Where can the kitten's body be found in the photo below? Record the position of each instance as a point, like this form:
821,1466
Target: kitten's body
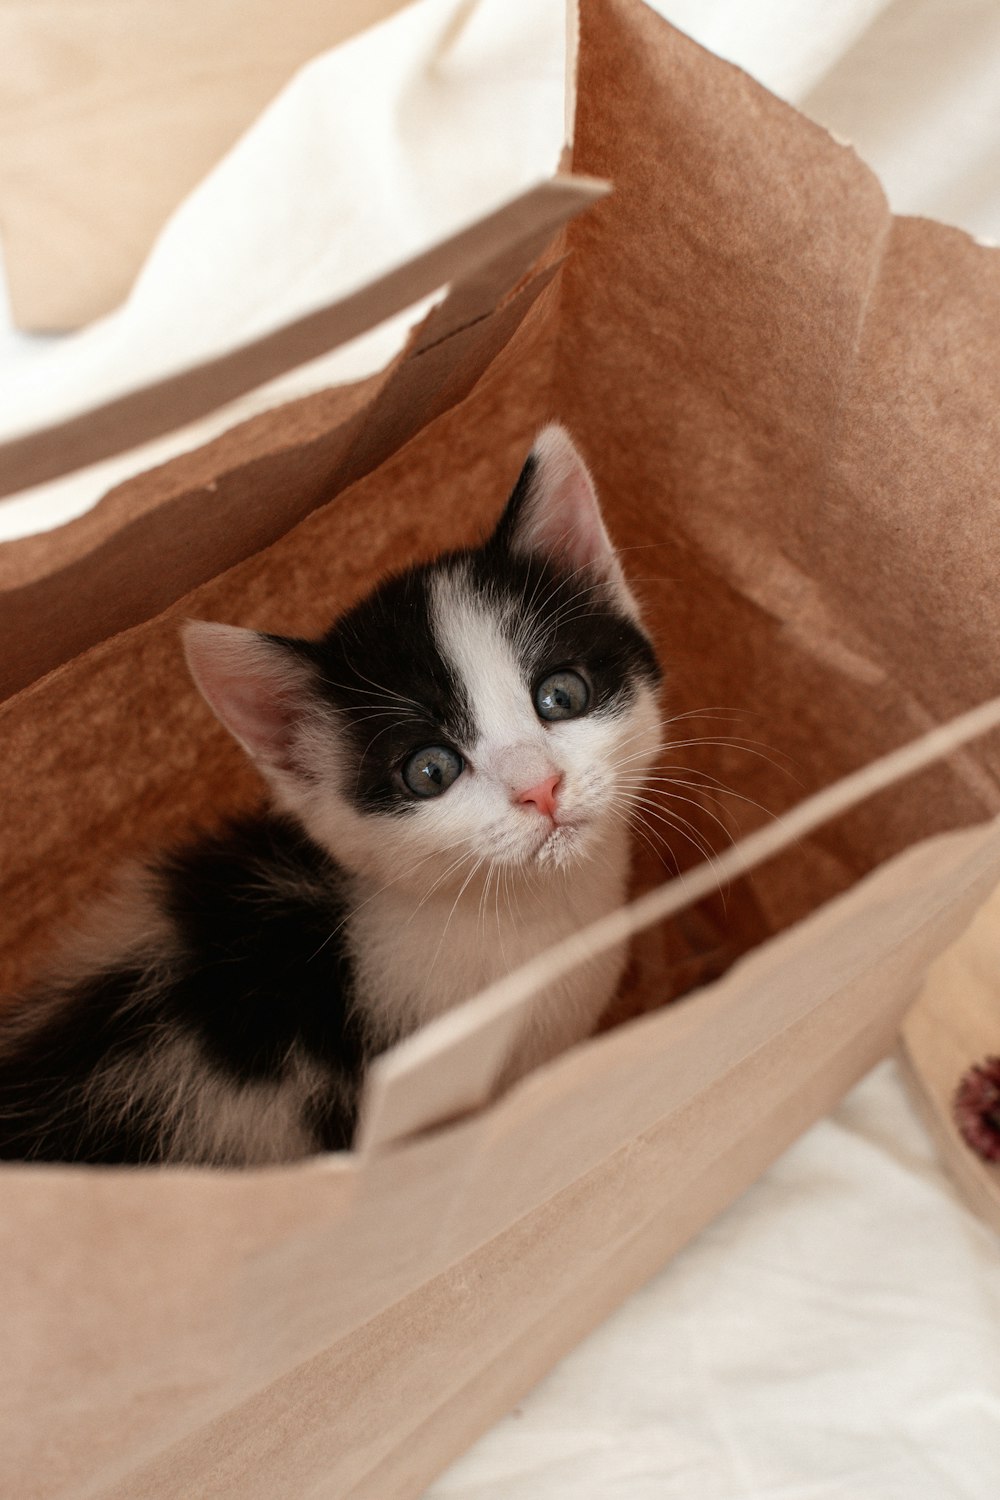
445,809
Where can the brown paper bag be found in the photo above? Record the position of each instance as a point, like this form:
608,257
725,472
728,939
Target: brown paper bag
788,398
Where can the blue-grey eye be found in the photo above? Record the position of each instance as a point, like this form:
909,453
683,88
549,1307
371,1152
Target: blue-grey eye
562,695
431,771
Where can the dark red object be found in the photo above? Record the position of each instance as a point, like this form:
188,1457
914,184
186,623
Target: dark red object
977,1108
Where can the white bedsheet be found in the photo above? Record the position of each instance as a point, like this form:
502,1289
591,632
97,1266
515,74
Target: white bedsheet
836,1332
832,1337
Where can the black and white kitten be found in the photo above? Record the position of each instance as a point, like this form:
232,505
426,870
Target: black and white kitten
450,767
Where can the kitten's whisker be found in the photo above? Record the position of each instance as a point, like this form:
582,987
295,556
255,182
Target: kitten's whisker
713,711
706,799
627,760
641,547
580,602
535,628
659,767
497,870
481,912
559,583
379,687
440,881
396,724
356,716
715,790
680,826
677,797
642,830
730,742
748,747
379,891
437,952
678,822
506,902
649,838
390,696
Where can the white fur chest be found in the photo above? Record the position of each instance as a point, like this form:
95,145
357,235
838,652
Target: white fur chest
415,959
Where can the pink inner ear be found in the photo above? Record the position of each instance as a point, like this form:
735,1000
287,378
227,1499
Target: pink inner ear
564,518
572,524
262,718
253,686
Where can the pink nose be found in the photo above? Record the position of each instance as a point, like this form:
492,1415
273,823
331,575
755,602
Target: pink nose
543,795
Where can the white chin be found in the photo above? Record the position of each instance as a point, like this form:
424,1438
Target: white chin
560,847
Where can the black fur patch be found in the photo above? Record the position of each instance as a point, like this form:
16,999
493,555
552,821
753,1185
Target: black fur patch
503,537
380,668
261,968
258,907
43,1110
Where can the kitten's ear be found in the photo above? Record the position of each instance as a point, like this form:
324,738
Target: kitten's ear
256,685
554,513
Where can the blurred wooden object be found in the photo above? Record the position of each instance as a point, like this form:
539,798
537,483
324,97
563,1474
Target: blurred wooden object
955,1023
111,111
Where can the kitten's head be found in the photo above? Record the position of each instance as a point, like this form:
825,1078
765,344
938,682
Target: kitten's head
495,705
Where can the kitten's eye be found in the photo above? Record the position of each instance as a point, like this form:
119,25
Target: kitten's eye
562,695
431,771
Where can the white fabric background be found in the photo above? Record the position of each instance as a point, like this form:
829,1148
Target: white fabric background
835,1333
371,153
832,1337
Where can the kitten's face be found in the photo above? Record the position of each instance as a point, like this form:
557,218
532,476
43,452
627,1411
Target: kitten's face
491,709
